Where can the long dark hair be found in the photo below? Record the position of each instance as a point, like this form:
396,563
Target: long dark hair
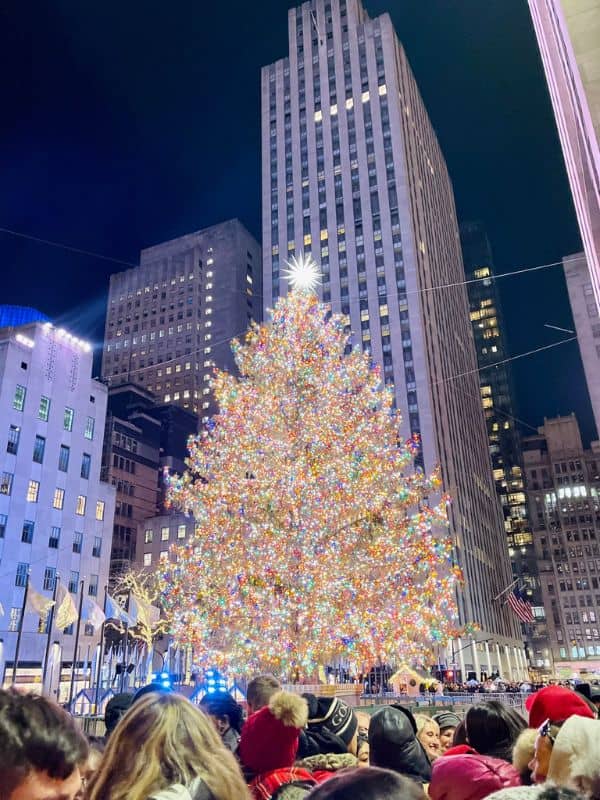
492,729
367,783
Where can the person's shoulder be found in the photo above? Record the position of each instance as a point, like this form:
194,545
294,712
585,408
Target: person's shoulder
176,792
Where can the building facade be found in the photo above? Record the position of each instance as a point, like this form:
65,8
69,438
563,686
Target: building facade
352,173
568,34
56,514
495,383
170,321
157,534
587,324
563,481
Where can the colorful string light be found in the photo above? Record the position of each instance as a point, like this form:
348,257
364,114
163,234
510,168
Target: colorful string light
314,540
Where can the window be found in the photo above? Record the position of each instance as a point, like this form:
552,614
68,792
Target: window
3,523
97,548
99,510
77,541
148,536
44,409
54,538
86,463
33,490
14,432
63,458
22,572
19,398
15,618
88,629
89,428
181,531
80,505
68,419
49,578
164,534
93,586
6,482
39,447
59,499
27,532
74,582
147,559
164,556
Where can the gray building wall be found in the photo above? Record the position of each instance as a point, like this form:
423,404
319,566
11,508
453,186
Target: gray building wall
170,321
49,363
353,173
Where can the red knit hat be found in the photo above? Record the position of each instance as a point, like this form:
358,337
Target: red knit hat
556,703
270,736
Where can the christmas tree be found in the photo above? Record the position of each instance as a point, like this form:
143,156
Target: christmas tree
314,537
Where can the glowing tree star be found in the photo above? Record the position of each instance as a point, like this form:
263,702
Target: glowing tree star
314,539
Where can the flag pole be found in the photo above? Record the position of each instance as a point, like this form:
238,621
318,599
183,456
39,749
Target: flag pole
101,657
20,633
76,647
49,635
126,647
504,591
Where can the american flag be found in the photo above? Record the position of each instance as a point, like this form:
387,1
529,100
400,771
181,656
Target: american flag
520,606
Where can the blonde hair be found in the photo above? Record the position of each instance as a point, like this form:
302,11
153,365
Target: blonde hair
163,740
423,721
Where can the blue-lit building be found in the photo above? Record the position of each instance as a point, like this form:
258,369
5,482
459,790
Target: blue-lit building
14,316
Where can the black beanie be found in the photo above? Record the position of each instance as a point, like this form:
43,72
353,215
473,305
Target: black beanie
333,714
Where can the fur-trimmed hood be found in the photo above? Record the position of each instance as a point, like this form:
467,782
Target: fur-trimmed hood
328,762
575,760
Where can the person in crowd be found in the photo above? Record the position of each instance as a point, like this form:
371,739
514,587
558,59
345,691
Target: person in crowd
493,728
595,698
269,745
150,688
523,753
428,733
115,708
393,744
448,723
371,783
42,750
165,748
227,717
259,692
575,759
470,776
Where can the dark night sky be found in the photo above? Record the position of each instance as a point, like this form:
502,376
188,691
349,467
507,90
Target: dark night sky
128,123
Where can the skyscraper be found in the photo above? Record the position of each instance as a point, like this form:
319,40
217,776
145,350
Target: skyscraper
495,381
353,173
170,321
587,324
568,34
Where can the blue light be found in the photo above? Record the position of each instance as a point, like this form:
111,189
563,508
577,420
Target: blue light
164,676
210,690
166,684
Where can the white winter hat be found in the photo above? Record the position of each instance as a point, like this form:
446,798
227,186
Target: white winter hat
575,760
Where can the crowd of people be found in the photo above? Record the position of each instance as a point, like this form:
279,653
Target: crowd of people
286,746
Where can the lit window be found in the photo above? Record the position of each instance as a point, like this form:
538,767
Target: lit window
89,428
181,531
383,89
365,96
318,115
148,536
100,510
58,500
164,533
147,559
167,398
68,419
44,409
164,556
15,618
80,505
33,490
349,103
19,398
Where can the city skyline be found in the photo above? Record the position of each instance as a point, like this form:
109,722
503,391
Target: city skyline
206,170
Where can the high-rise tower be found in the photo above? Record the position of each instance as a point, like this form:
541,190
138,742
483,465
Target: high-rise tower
353,173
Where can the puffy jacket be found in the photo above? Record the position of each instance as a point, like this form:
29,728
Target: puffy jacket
470,777
393,744
267,784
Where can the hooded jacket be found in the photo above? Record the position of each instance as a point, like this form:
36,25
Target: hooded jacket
393,744
575,760
470,776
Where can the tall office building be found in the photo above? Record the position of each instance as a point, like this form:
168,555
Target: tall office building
563,487
568,34
171,319
353,173
56,514
587,324
495,382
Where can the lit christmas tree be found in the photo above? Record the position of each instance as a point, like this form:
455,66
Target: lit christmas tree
314,540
